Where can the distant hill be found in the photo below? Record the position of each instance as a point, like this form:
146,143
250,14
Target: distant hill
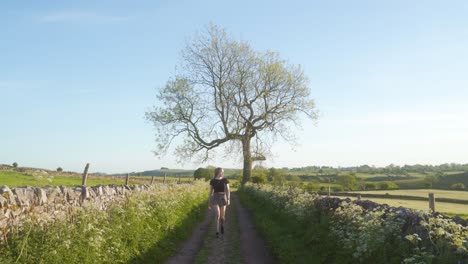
169,172
179,172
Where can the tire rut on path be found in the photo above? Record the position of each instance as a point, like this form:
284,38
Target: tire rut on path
253,247
226,248
187,252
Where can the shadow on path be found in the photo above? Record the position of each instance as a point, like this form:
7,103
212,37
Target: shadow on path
188,250
253,247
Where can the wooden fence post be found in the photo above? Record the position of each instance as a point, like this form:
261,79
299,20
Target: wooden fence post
126,178
359,197
432,202
164,181
328,190
152,180
85,175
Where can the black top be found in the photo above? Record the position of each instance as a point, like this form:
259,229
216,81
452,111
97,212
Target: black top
218,184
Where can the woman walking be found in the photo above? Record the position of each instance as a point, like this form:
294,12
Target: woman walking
219,198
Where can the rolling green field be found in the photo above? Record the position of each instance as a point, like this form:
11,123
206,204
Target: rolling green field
16,179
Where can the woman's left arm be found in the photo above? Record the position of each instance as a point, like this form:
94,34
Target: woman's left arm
228,194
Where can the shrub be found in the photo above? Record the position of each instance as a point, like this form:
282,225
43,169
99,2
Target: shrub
370,186
388,185
348,181
337,189
15,165
458,186
311,187
203,173
258,178
276,176
59,169
234,183
259,174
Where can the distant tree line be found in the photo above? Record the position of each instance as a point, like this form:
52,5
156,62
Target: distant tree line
390,169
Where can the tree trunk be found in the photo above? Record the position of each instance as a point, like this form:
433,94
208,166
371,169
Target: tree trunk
247,171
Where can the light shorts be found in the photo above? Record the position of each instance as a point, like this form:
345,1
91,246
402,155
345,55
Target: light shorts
218,199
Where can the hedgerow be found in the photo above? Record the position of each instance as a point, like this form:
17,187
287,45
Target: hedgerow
303,227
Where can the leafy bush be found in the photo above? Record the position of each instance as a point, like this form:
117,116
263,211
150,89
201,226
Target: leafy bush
258,178
276,176
15,165
458,186
337,189
259,174
388,185
348,181
59,169
370,186
311,187
203,173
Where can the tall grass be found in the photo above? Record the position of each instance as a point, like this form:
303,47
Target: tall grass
145,228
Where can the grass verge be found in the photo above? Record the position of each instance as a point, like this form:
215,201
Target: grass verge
146,228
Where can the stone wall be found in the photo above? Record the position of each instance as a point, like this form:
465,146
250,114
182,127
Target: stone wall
45,204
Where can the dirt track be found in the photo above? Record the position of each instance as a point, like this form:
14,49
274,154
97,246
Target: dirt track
220,250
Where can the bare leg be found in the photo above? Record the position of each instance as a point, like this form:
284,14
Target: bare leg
222,212
216,208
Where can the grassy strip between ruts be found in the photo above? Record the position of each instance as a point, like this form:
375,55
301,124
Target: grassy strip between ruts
300,228
146,228
231,249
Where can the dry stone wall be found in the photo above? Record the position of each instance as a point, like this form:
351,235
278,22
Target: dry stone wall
45,204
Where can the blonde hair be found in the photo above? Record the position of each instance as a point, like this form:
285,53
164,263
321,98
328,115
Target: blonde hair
218,171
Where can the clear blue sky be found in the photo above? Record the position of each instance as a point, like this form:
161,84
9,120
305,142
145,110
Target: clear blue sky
390,78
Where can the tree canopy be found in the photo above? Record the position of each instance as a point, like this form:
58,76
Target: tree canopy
203,173
229,93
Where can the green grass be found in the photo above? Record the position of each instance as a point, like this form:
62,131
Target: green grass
463,195
145,228
16,179
450,209
289,239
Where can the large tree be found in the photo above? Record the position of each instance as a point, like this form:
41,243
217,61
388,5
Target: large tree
227,94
